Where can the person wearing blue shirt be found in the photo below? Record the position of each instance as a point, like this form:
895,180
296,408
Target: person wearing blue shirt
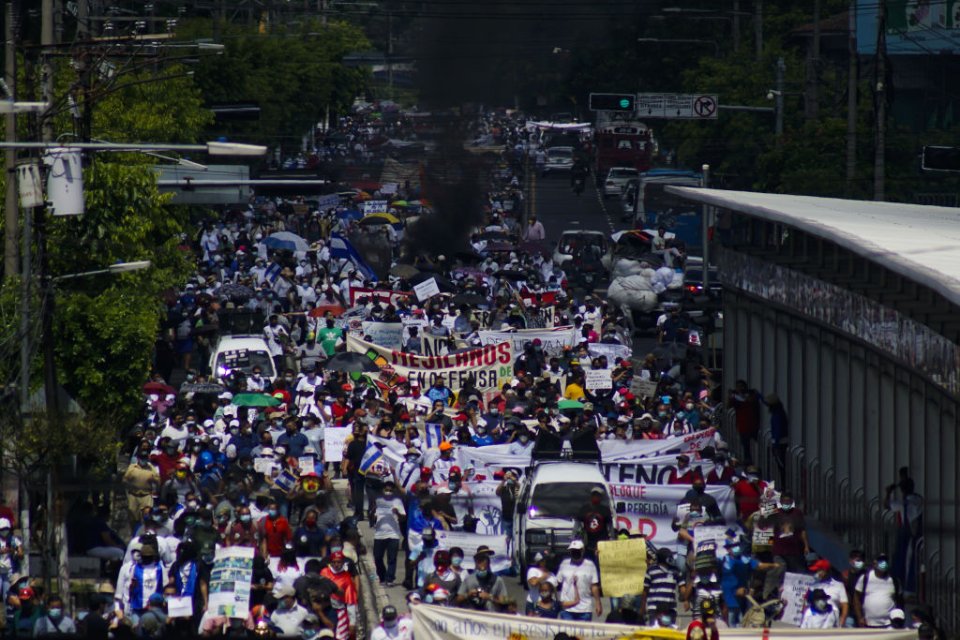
439,392
294,441
735,571
482,437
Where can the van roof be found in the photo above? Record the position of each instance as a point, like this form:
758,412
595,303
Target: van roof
248,342
568,472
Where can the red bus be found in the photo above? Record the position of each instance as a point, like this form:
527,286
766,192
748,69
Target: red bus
622,144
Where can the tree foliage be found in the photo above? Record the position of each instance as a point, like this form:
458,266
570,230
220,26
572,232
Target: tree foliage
295,74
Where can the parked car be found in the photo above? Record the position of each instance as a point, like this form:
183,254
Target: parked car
617,179
572,239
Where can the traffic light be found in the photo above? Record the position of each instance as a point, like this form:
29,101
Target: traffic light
612,101
941,159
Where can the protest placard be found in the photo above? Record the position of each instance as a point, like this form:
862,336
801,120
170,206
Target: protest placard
469,542
598,379
623,566
333,442
426,289
230,580
795,587
179,606
710,538
643,388
385,334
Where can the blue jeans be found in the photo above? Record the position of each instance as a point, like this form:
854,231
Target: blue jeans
388,548
581,617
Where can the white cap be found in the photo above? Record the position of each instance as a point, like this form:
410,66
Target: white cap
576,544
209,423
285,590
226,395
5,524
897,614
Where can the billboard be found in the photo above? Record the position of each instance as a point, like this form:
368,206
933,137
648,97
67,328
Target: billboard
913,27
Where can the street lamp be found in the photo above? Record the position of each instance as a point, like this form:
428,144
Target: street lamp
116,268
9,106
216,148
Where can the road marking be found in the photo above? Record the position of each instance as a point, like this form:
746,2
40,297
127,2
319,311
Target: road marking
603,207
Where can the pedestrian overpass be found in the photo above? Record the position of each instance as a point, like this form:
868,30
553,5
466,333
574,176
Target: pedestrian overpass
850,312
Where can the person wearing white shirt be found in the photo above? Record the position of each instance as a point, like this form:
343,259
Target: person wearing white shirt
139,579
288,616
875,595
393,626
580,584
835,590
819,613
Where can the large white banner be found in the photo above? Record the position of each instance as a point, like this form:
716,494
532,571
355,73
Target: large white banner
627,450
488,366
480,500
552,340
650,508
230,581
431,622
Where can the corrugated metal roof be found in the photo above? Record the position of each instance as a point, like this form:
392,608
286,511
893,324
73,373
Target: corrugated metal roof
919,242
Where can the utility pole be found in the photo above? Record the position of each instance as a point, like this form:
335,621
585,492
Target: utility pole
852,77
390,52
705,231
812,98
781,68
11,218
758,26
880,106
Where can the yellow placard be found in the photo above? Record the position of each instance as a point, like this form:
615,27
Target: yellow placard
623,566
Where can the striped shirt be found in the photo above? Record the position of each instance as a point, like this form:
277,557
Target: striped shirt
661,586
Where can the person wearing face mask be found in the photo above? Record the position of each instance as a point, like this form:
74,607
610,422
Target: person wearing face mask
274,531
242,532
507,491
11,557
289,615
180,484
547,605
167,460
877,593
683,473
698,490
579,584
392,626
387,533
660,586
790,544
408,471
596,518
722,472
664,617
855,569
345,599
482,590
539,573
819,612
141,480
736,569
139,579
522,445
442,575
55,621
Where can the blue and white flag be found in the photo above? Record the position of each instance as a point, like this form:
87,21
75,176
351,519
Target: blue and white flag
434,434
370,458
341,248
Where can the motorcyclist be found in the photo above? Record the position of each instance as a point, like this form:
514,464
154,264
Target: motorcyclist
578,175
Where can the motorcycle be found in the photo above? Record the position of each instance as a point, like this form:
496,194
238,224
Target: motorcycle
578,185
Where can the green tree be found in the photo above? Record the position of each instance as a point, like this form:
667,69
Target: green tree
294,74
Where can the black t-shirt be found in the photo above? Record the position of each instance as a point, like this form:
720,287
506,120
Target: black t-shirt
596,521
355,452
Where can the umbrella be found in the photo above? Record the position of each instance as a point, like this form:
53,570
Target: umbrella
235,291
255,400
286,240
536,247
351,363
380,218
442,283
404,270
322,310
512,274
493,247
399,203
470,299
158,388
350,214
569,404
494,235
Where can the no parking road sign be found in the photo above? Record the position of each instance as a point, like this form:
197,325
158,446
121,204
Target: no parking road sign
677,106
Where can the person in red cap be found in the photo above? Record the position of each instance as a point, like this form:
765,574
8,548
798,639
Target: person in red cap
834,589
345,600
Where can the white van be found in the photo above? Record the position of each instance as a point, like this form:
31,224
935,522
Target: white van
548,505
242,353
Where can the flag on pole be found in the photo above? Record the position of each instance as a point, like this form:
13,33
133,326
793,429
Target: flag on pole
434,434
370,457
341,248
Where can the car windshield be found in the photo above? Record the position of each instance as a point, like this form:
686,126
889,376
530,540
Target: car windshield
571,243
561,499
656,199
560,153
622,173
244,361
